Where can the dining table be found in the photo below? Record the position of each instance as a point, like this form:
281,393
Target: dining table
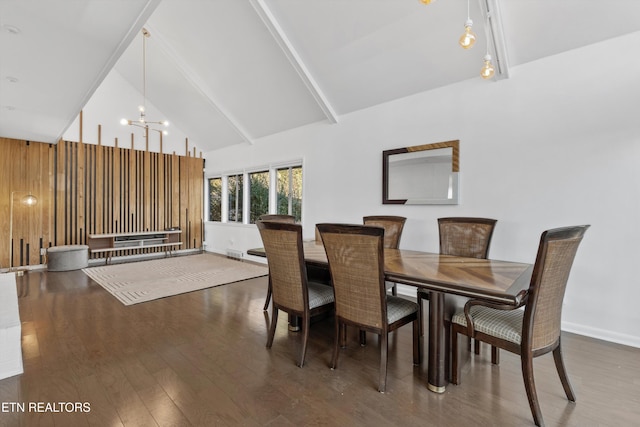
448,279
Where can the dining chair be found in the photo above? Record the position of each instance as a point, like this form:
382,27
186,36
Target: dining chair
393,226
534,330
464,237
290,219
356,261
292,292
278,218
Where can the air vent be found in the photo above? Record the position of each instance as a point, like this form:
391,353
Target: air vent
234,253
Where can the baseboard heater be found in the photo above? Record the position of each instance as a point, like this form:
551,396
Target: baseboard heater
234,254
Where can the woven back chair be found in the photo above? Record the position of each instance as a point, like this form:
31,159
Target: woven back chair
535,330
393,226
278,218
356,261
292,292
465,237
290,219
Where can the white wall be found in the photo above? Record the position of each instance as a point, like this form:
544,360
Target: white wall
10,328
116,99
556,144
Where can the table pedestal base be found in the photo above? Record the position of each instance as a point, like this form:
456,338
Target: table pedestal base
436,370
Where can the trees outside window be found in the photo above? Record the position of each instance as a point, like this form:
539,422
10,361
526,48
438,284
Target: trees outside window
215,199
289,198
258,195
235,193
277,190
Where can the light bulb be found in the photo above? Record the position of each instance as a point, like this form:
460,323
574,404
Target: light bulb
426,1
468,39
164,132
124,122
487,71
141,108
30,200
165,123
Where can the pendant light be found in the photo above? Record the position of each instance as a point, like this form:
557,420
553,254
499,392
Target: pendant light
142,119
487,71
468,39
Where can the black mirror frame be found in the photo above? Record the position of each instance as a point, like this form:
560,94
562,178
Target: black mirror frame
455,164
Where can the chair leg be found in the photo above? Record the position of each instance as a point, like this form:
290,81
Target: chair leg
530,387
338,343
455,370
384,352
363,338
272,328
266,303
476,346
495,355
343,336
417,356
562,373
394,290
306,320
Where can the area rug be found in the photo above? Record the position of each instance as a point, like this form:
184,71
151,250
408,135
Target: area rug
137,282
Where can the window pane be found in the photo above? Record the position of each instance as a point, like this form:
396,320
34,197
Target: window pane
289,196
258,195
215,199
235,198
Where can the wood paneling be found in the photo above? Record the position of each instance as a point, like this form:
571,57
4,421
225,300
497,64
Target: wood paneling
84,189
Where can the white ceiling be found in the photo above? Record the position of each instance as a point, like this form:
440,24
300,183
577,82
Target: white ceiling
229,71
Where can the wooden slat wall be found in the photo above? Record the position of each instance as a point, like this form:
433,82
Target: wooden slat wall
87,189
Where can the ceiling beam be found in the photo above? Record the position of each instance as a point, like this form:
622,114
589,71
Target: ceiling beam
134,30
262,9
195,80
495,37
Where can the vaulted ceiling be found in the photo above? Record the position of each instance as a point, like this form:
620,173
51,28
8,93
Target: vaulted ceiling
228,72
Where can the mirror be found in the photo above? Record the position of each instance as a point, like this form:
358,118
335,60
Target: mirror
422,174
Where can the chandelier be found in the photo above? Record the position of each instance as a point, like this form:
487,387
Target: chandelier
142,121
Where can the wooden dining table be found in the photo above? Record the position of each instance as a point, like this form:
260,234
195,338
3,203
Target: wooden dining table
445,277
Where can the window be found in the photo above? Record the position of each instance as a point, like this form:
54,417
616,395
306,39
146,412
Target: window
243,196
215,199
289,197
258,195
235,184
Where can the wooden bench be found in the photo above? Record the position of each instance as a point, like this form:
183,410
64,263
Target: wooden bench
112,242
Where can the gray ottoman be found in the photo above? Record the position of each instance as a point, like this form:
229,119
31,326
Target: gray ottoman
67,257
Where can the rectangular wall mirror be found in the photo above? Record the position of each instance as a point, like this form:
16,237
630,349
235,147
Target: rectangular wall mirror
422,174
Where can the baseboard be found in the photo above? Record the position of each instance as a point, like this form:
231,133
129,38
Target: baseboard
601,334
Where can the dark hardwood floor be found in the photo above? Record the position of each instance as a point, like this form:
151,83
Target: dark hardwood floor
200,359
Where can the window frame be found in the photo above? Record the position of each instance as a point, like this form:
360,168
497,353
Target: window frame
246,217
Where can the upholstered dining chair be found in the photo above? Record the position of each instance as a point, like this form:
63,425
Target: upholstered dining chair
393,226
465,237
290,219
535,330
356,262
292,292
